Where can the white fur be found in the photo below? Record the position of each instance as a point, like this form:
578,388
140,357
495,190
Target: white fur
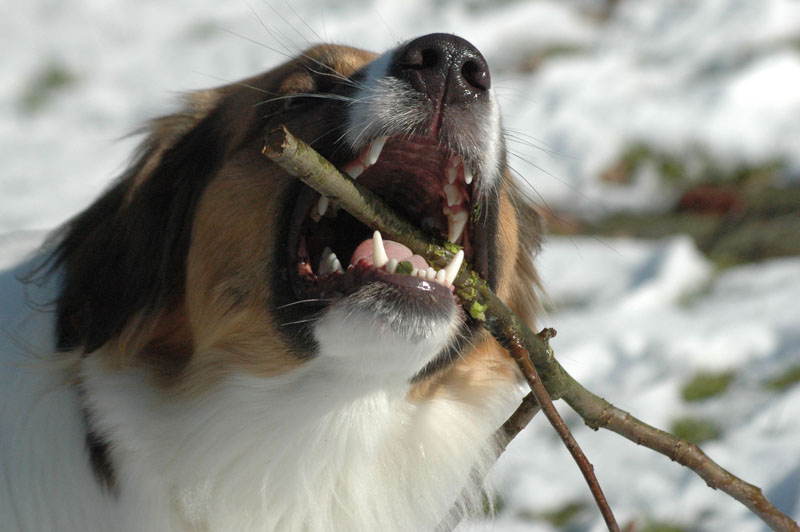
46,483
334,445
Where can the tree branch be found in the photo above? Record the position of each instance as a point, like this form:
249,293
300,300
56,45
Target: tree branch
301,161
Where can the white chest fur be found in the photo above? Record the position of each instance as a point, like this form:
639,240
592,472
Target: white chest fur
311,451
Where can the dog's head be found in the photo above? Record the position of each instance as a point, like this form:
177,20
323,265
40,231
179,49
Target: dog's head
205,258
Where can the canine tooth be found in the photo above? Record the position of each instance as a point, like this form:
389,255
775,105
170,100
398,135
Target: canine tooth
451,270
468,174
441,275
391,266
456,224
453,195
379,256
322,205
375,150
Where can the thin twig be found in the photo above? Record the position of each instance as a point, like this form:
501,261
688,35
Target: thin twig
520,355
301,161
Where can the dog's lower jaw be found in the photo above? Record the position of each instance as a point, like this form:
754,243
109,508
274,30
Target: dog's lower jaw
336,444
385,333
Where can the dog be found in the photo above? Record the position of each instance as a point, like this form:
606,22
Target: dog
213,346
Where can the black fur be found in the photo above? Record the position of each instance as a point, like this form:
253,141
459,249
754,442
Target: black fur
126,253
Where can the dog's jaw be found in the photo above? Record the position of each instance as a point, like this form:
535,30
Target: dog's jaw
374,333
441,125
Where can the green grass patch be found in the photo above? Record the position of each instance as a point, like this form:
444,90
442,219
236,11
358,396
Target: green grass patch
695,430
656,526
735,213
561,517
764,223
202,31
691,166
706,385
786,379
53,78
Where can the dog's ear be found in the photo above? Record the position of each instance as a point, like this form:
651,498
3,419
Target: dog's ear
124,257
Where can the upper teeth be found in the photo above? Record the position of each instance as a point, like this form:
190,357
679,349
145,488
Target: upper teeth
456,210
453,195
329,262
354,169
375,150
456,222
454,166
322,205
467,174
367,158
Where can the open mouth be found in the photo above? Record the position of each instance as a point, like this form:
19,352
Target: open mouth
332,254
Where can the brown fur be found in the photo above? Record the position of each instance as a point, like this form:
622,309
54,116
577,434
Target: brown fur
191,232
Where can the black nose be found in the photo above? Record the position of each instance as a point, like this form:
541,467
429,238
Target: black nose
444,67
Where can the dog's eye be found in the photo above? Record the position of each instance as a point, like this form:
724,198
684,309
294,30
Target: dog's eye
291,102
297,88
299,100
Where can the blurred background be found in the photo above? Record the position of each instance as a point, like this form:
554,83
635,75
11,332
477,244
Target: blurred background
659,138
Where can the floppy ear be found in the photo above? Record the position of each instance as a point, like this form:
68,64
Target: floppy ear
125,256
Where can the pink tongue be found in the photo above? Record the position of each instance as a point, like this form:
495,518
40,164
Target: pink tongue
394,250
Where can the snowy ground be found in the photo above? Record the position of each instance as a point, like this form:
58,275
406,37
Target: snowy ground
639,320
636,319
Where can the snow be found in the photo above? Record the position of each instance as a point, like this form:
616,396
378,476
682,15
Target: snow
639,356
636,319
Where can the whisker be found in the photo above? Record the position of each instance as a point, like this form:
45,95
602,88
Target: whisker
331,130
337,75
301,19
299,322
542,202
286,21
303,301
546,172
275,34
286,54
531,141
283,40
232,82
323,96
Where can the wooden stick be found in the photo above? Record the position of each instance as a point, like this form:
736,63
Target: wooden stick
301,161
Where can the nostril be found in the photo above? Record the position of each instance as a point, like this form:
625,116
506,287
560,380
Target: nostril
476,75
443,68
430,58
420,58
